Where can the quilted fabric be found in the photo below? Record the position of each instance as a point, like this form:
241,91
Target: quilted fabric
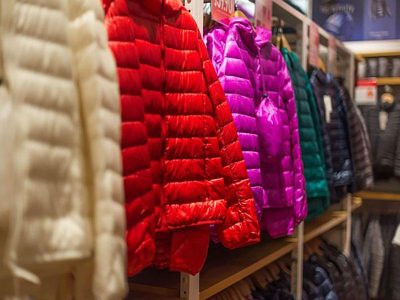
310,137
52,200
252,74
385,142
283,175
359,141
197,167
235,60
336,136
67,212
99,97
139,195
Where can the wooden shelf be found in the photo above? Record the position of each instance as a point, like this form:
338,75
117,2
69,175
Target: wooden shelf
385,80
323,224
229,267
369,195
388,80
224,267
379,54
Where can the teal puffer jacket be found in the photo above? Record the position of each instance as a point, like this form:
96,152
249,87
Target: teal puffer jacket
310,137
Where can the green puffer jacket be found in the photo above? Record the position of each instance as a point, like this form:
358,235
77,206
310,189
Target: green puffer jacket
310,137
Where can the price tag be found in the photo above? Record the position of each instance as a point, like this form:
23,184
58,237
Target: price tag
221,10
314,45
383,119
328,108
396,238
264,13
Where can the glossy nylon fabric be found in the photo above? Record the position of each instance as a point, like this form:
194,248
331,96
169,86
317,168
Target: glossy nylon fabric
310,137
283,175
255,79
336,128
198,173
235,60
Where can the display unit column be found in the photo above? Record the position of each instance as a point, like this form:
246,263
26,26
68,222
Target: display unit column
346,239
190,287
189,284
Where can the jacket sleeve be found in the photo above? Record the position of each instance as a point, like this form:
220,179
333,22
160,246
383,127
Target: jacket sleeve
300,198
240,226
98,92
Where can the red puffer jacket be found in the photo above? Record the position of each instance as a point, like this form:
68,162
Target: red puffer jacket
198,173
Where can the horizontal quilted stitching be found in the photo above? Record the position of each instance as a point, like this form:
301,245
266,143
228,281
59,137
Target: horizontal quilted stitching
42,83
192,144
336,139
284,176
310,137
237,74
139,196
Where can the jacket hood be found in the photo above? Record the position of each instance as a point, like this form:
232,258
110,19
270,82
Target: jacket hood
322,77
246,32
263,36
155,7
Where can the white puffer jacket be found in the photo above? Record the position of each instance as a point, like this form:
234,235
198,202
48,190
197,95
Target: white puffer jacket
66,200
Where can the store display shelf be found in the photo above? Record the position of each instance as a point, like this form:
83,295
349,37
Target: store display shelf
224,267
384,80
378,54
379,196
323,224
388,80
228,267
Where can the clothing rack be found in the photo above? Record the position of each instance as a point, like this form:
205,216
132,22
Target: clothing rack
224,268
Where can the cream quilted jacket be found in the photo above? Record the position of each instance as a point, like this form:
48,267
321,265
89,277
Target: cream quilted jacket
62,219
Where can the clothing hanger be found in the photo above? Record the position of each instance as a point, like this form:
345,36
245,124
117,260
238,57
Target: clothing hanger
239,14
274,269
268,275
245,288
280,39
317,247
283,267
307,251
236,293
251,284
258,279
321,64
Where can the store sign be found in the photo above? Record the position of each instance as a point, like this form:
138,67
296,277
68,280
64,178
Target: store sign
222,10
355,20
313,57
264,13
332,54
366,92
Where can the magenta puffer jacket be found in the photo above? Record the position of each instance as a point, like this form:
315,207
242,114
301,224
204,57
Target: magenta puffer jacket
235,60
259,92
282,174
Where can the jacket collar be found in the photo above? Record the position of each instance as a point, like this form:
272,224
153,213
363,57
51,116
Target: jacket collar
263,36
